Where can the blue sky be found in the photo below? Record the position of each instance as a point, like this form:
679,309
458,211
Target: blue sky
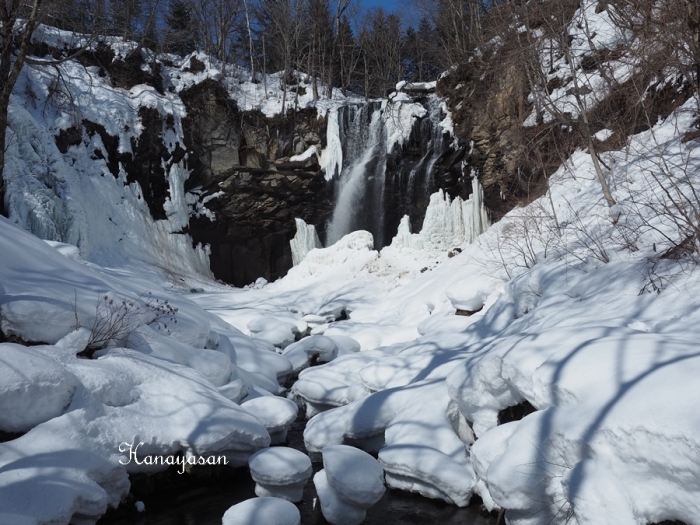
389,5
400,7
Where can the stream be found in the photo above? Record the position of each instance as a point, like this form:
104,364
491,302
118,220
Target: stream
203,498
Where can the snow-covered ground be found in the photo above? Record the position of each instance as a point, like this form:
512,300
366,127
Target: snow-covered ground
587,312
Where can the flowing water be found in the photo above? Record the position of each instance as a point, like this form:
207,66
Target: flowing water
360,165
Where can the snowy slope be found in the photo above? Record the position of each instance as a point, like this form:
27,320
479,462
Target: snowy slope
169,390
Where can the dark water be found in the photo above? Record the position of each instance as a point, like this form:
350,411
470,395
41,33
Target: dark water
203,498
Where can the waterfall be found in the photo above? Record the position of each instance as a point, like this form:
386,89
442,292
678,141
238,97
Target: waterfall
360,187
380,158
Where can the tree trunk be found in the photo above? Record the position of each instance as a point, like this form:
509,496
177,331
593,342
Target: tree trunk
3,135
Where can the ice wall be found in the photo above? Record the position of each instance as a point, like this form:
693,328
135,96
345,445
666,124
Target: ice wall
447,224
305,240
73,196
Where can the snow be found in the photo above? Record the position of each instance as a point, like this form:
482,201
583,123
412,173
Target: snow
34,389
275,413
579,315
350,482
423,469
280,472
335,509
270,511
354,474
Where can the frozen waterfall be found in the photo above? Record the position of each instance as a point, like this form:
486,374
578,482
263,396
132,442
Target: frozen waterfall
305,240
448,223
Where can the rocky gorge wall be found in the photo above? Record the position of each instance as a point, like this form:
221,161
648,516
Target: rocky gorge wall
243,165
241,177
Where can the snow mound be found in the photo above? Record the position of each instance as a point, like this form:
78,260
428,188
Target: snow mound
259,511
280,472
275,413
427,471
354,474
33,388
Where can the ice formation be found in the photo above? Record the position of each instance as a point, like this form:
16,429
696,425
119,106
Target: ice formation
280,472
447,223
305,240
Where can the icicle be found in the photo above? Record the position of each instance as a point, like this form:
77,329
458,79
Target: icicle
448,223
332,156
305,240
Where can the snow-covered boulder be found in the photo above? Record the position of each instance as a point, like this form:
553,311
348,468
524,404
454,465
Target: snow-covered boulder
275,413
350,482
280,472
429,472
33,388
263,511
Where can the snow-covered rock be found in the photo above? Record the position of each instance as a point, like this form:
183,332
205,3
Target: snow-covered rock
259,511
350,482
275,413
280,472
33,388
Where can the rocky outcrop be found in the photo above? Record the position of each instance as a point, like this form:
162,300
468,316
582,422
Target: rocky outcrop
243,162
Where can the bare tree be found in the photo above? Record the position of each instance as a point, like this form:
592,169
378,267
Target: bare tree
557,43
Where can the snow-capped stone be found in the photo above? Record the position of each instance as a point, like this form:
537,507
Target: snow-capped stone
471,302
336,510
275,413
280,472
263,511
354,474
429,472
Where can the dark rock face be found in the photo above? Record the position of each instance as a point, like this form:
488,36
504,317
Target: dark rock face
243,158
428,161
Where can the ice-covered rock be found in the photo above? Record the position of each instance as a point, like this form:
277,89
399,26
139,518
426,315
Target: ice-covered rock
280,472
275,413
263,511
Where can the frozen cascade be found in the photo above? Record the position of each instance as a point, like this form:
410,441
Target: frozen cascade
447,223
305,240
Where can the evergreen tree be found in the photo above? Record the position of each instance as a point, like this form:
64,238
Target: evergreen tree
179,36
